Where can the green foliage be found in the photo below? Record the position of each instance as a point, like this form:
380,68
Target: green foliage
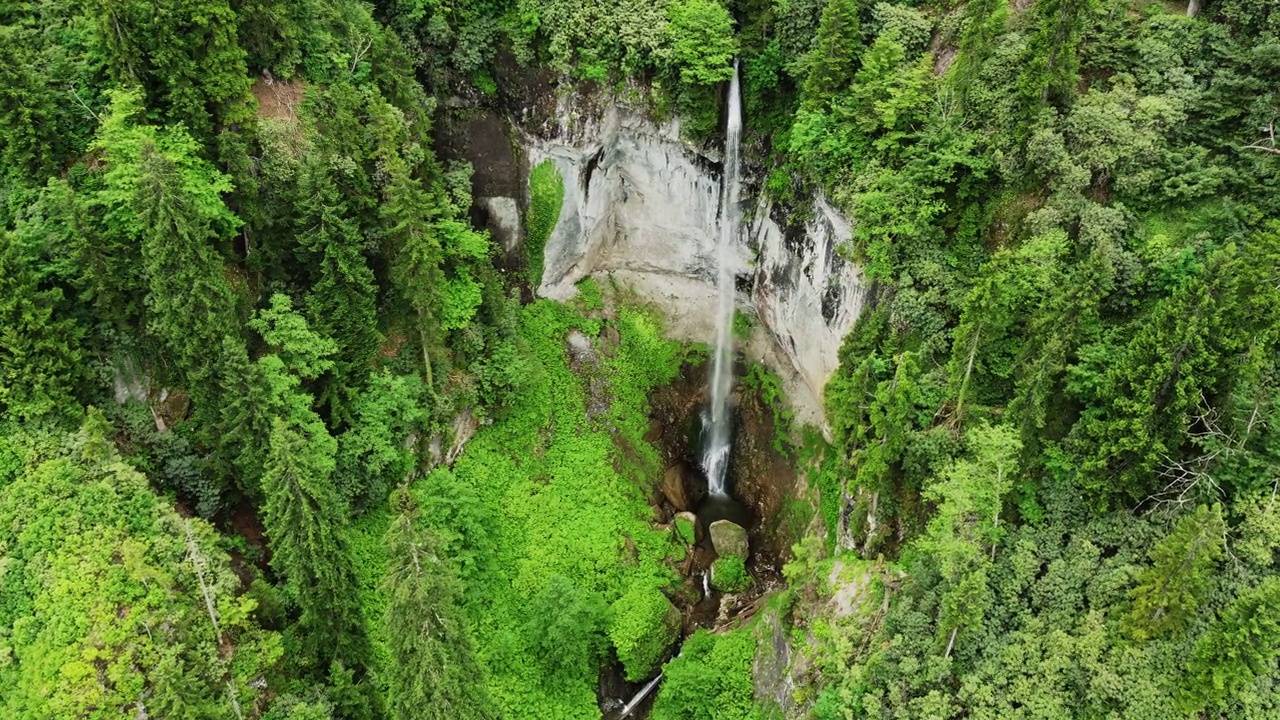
102,579
304,518
1169,592
303,352
711,680
433,673
969,500
1241,647
566,629
686,530
184,54
342,301
701,41
42,368
373,453
546,196
538,494
834,57
642,628
729,574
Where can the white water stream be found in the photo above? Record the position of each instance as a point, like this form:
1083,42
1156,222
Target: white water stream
715,454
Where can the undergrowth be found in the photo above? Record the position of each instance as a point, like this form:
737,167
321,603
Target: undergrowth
546,493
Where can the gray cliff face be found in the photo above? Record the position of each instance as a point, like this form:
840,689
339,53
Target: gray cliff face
642,207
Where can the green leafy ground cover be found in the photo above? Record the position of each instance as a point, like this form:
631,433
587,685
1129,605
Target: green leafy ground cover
548,495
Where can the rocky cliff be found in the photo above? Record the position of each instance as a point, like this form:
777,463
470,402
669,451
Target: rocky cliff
642,207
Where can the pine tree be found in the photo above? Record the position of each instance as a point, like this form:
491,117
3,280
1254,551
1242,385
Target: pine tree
304,518
1171,590
833,60
433,673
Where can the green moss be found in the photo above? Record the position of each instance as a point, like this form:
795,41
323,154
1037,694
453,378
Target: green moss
729,574
743,324
546,196
793,520
767,386
686,531
645,624
590,299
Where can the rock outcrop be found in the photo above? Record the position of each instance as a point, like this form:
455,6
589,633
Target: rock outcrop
675,487
642,207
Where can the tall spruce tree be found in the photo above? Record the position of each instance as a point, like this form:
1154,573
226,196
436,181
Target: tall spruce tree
433,673
304,518
342,301
834,58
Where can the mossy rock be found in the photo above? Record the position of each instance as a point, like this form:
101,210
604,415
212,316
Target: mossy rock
686,528
729,539
729,575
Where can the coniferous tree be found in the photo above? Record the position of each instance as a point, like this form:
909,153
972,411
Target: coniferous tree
302,512
1241,646
833,60
304,519
962,536
433,673
342,300
417,269
41,365
1171,590
31,145
185,55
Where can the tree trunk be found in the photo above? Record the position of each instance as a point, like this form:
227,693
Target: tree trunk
1193,8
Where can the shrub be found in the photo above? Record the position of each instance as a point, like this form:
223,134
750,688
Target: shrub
644,625
729,574
711,680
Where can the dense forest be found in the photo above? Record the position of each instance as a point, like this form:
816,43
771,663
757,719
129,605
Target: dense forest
285,435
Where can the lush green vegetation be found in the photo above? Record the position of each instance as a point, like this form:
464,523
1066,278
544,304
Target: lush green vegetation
1049,484
1055,414
546,196
729,574
711,680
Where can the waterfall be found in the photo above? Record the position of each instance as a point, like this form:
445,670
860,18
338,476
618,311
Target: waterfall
715,454
640,696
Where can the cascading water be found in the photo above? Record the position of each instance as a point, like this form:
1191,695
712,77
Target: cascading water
715,453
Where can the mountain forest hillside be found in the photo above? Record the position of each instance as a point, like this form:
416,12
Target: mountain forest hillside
287,433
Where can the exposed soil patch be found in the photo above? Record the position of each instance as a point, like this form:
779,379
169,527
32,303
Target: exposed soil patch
278,98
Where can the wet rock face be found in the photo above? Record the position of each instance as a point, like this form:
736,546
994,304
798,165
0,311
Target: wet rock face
642,206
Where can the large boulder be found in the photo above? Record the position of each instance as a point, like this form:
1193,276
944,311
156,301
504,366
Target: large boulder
675,487
729,539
